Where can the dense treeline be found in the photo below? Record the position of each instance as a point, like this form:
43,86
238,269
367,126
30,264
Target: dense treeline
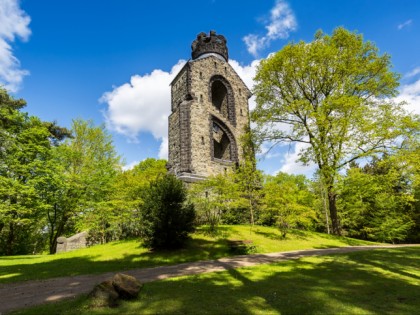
55,182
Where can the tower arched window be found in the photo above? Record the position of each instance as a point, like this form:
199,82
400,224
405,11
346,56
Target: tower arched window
222,99
219,97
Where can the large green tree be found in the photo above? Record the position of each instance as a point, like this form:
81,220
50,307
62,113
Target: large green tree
287,202
377,201
26,146
117,216
334,95
86,166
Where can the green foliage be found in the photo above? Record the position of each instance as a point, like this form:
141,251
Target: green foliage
287,203
376,203
166,217
86,166
117,216
217,200
333,95
248,178
26,145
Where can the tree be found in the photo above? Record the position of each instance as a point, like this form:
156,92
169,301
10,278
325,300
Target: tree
376,201
166,217
118,217
87,165
26,146
287,202
334,95
248,178
214,198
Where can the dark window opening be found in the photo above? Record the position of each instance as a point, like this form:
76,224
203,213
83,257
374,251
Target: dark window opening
221,144
202,140
219,96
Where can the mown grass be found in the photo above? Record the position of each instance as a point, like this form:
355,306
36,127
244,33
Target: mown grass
125,255
380,281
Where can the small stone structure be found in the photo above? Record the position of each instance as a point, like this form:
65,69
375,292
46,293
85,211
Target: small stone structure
73,242
209,112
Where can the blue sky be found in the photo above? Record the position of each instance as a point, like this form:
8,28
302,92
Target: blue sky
111,61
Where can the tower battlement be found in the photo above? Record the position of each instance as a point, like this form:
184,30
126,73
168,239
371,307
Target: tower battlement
212,43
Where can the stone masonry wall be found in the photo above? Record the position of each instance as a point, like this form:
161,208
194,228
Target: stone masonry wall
190,124
202,109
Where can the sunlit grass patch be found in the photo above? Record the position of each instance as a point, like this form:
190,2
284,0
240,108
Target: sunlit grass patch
351,283
125,255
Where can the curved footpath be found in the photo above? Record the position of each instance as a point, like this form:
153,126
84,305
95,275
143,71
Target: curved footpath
29,293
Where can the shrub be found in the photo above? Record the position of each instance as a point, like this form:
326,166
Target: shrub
166,218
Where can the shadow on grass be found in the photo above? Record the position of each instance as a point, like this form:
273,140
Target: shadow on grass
197,249
353,283
270,235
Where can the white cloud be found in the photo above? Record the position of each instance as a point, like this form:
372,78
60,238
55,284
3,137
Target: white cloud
130,166
14,24
144,104
247,74
413,73
410,93
281,22
291,164
404,24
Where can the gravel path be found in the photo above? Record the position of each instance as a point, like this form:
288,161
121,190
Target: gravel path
25,294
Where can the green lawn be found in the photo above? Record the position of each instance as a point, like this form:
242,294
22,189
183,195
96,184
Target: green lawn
380,281
124,255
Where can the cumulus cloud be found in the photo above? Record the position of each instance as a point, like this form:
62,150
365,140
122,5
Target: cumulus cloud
14,24
413,73
144,104
247,74
291,164
404,24
281,22
130,166
410,93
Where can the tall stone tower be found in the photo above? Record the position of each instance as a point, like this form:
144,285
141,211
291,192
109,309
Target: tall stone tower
209,112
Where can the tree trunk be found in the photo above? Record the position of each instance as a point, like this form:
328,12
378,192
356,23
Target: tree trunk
54,236
10,239
333,211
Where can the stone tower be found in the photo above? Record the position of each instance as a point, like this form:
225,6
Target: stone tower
209,112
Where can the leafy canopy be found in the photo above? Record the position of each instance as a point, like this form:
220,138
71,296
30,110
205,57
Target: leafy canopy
334,95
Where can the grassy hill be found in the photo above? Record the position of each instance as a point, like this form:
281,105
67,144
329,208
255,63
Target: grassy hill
380,281
125,255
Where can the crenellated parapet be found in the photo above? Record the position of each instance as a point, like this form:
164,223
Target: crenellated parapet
212,43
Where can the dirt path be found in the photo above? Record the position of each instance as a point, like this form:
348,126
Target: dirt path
25,294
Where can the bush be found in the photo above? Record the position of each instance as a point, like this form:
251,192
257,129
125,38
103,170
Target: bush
166,218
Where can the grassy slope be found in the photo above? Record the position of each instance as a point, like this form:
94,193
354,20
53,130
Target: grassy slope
126,255
381,281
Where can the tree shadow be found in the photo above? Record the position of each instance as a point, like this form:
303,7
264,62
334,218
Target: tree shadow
365,282
197,249
336,284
